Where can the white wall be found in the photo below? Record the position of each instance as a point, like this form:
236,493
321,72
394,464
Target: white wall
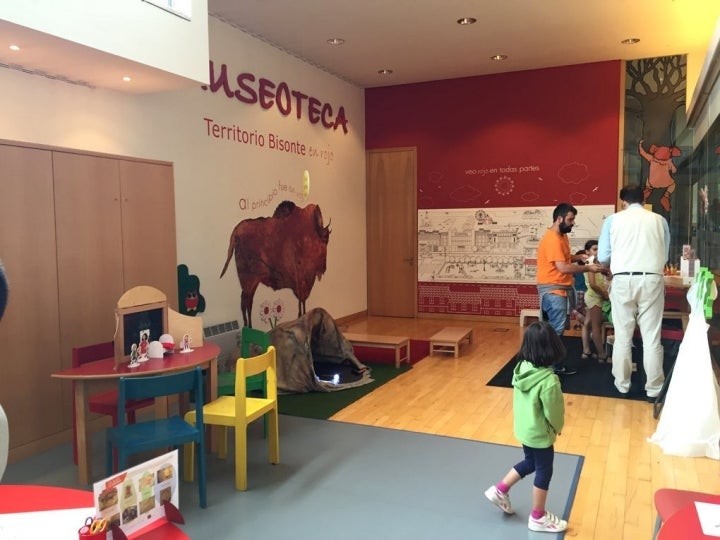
213,175
132,29
704,107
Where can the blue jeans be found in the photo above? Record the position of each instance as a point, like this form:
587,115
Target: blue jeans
555,309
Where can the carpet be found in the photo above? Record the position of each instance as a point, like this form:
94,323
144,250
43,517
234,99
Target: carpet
593,378
340,480
419,349
324,404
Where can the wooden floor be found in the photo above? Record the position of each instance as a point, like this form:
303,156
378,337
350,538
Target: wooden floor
448,396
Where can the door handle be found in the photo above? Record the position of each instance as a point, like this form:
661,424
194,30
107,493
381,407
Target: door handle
409,260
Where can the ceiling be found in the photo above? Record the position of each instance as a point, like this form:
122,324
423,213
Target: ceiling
419,40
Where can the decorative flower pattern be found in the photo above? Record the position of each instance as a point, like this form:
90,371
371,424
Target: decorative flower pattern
271,313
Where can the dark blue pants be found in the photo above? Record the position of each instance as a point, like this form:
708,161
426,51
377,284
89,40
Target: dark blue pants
538,461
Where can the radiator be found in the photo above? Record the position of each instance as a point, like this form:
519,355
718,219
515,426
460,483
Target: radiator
225,336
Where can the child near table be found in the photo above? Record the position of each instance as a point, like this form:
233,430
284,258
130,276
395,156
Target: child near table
580,287
539,416
598,290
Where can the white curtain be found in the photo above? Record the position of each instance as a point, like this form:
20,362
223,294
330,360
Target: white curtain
689,425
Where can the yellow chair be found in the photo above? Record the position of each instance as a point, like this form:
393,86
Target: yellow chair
238,411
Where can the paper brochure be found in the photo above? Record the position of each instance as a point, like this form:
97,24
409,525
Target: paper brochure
134,498
709,516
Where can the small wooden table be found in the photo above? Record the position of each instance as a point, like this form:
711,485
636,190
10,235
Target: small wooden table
93,373
398,343
449,339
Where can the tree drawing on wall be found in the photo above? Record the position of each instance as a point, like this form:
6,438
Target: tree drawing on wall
654,116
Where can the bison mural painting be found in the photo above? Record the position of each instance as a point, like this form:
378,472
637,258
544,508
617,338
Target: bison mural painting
285,251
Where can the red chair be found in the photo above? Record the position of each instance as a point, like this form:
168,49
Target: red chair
103,402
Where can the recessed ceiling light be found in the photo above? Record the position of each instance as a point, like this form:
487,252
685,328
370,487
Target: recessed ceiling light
385,71
630,41
499,57
336,41
14,48
466,20
127,79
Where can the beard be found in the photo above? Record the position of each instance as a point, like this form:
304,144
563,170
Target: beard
564,229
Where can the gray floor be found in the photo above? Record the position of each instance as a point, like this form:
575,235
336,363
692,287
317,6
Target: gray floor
338,480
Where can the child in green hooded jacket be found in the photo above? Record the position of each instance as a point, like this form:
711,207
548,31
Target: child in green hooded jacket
539,416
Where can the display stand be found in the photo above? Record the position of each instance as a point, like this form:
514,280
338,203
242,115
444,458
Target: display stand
140,311
142,501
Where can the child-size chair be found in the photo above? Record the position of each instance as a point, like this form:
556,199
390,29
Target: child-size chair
130,439
102,402
252,343
238,411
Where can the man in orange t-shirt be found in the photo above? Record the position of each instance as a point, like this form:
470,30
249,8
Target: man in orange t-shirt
555,271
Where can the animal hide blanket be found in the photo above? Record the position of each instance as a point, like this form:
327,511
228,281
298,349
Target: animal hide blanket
313,337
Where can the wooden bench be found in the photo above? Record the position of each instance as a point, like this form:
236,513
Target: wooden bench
398,343
525,313
449,339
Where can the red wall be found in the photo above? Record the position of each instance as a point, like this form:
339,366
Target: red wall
562,124
531,138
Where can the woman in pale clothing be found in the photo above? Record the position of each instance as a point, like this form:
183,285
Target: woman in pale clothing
597,293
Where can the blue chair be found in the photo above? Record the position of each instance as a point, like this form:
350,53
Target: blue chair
130,439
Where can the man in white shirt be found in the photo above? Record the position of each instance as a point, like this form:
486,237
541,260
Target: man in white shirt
636,243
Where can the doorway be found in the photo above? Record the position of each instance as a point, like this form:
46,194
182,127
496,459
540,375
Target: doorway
392,232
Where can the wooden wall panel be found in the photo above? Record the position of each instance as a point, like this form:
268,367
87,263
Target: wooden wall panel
148,214
90,253
90,248
29,332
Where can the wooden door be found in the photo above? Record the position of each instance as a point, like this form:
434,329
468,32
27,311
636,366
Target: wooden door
392,232
29,332
148,227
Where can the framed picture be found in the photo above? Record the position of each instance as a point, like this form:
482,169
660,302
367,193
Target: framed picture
141,314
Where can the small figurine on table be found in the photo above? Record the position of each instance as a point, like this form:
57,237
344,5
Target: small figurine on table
134,356
186,340
143,347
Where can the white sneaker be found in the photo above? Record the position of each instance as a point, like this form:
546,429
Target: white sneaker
548,523
501,500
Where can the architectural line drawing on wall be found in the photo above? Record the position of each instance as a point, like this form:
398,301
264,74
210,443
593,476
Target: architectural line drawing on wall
492,245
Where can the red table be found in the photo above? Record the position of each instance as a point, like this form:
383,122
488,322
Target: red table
17,498
14,499
92,373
